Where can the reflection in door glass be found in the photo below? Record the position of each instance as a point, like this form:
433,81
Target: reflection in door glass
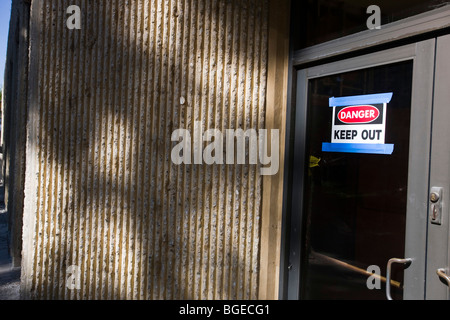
355,204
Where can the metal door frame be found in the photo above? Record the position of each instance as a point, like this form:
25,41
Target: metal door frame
423,56
438,235
402,30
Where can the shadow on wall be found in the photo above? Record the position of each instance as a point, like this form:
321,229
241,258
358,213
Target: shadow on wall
105,100
14,107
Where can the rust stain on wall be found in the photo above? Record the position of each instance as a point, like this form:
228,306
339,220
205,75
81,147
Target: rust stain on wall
101,190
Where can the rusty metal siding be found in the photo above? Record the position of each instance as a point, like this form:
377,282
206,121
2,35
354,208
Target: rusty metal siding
101,190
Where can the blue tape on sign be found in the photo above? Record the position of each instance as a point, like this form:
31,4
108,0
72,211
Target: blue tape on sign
359,100
358,148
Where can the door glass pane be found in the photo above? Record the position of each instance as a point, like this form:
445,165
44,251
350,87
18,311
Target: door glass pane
355,204
317,21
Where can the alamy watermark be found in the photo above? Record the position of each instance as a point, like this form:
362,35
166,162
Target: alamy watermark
374,21
73,282
189,150
374,281
234,146
74,20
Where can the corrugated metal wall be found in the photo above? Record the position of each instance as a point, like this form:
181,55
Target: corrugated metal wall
101,190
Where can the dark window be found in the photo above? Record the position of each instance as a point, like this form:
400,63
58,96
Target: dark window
317,21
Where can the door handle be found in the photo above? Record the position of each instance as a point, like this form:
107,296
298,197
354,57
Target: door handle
443,275
406,262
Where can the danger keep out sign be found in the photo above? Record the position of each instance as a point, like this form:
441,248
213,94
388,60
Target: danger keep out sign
359,124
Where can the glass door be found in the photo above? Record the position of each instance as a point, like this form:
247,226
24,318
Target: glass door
361,169
438,246
355,203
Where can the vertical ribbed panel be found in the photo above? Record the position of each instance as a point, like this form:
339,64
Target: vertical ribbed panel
109,199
